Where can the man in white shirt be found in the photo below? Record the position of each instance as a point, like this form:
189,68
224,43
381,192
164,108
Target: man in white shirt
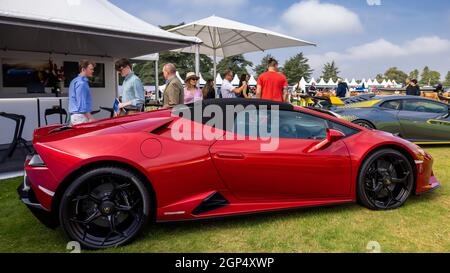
228,90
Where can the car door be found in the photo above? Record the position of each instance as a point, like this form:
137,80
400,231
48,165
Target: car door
289,171
386,116
421,120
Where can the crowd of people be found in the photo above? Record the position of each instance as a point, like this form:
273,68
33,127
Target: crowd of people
271,85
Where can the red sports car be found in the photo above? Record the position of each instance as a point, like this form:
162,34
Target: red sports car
104,181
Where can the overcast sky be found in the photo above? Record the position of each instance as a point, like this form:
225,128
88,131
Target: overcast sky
364,37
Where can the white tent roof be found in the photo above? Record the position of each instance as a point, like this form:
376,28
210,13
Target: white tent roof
235,80
148,58
230,38
312,81
252,81
389,82
81,27
375,82
331,82
346,81
369,82
322,82
218,79
353,83
384,83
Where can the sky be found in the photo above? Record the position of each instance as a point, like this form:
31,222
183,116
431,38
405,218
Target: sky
364,37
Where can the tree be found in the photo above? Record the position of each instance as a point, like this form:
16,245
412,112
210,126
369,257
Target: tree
447,79
414,74
238,64
430,77
297,67
262,67
379,77
330,71
394,73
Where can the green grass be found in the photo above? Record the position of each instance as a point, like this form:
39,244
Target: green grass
422,225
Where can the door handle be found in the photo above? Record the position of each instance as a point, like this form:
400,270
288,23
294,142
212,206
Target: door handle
229,155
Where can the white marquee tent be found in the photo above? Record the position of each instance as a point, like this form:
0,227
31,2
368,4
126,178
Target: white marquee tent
252,81
219,80
331,82
80,27
235,80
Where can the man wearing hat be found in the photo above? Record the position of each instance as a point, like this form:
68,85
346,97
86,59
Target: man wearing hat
192,92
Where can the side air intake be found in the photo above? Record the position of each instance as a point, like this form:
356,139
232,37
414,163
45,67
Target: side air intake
212,202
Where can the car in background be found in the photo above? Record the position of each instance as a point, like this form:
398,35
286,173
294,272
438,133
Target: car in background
417,119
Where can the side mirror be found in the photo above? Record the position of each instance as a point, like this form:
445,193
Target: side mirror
332,136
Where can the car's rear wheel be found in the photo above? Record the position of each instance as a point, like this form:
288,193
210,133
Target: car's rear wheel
364,123
105,207
386,180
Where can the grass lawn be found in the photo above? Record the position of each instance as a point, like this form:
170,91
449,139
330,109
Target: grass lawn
422,225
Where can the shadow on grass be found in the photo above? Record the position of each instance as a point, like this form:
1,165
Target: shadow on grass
254,219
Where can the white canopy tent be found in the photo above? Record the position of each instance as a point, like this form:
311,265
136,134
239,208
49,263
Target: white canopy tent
67,31
223,38
235,80
302,84
363,82
312,81
321,82
252,81
219,80
331,82
353,83
369,82
79,27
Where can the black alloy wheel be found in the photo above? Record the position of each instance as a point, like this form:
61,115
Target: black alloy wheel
105,207
386,180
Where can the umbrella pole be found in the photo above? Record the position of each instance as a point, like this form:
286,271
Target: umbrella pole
197,59
215,73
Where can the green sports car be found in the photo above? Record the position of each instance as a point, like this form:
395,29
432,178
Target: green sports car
418,119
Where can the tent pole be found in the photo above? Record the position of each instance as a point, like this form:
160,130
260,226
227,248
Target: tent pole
157,79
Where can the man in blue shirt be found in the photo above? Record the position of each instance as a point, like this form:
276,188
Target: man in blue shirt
80,100
133,91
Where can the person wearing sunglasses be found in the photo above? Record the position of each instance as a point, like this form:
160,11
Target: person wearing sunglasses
192,93
133,91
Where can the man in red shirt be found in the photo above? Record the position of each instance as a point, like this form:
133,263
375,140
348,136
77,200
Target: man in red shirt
272,85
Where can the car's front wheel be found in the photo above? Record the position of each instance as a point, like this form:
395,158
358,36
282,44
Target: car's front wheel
105,207
386,180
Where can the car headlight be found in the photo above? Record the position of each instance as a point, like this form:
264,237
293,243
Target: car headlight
36,161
